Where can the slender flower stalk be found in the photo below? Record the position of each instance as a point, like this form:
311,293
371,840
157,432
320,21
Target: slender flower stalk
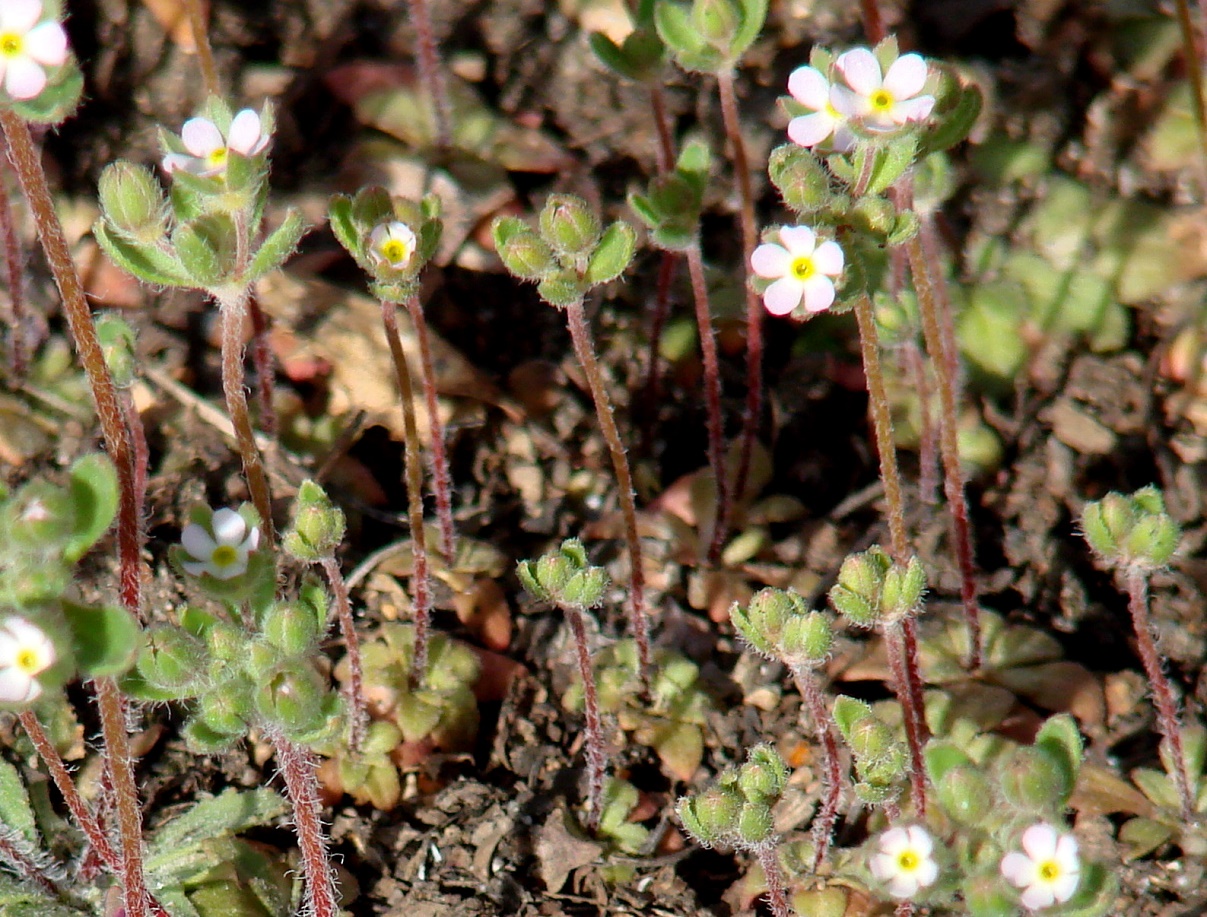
953,475
754,308
25,865
18,359
441,479
712,399
205,54
297,766
596,760
431,72
1168,717
777,894
420,584
822,724
358,711
584,348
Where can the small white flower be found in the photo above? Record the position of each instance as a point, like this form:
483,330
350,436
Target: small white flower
824,122
904,863
1049,871
799,269
27,47
223,554
208,150
25,653
881,102
392,245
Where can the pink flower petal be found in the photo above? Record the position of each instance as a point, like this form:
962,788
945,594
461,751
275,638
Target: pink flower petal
197,543
1018,868
19,15
201,137
18,688
24,78
819,293
860,69
770,260
810,130
244,134
848,104
1040,841
179,161
828,259
47,44
810,88
906,76
1066,886
799,240
782,296
1037,897
229,527
918,109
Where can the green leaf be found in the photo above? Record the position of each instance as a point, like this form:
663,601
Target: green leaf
941,757
676,29
229,812
198,256
279,245
754,17
94,495
16,813
148,263
106,639
612,255
1060,737
955,125
891,162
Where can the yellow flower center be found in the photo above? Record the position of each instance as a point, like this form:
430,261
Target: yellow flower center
395,251
908,861
1049,870
224,555
881,100
10,44
30,661
217,158
803,267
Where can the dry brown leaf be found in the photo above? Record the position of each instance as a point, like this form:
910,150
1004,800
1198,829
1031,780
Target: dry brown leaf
173,18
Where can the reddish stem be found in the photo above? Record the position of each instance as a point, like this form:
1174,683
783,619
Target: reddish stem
584,348
596,760
873,24
297,766
16,282
1168,720
712,398
420,584
440,473
356,691
823,727
430,72
25,865
777,895
201,38
754,307
894,642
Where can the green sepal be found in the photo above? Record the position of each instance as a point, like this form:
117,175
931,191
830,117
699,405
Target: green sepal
639,58
205,247
561,289
16,812
344,228
800,177
58,100
891,161
94,496
148,263
277,247
612,255
106,639
677,31
954,120
204,740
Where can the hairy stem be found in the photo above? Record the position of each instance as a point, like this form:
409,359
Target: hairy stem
297,766
754,307
441,478
953,474
420,586
915,725
205,54
18,359
359,716
584,348
777,895
232,311
26,866
822,724
712,398
1168,719
596,760
431,73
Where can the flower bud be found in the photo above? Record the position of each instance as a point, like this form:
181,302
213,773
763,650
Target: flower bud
717,21
172,659
564,578
293,698
132,202
561,288
755,825
762,621
318,525
807,639
569,225
586,588
764,775
712,816
525,254
965,795
800,177
225,708
902,591
291,628
1131,532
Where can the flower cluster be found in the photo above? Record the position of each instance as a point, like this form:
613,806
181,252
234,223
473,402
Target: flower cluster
798,269
222,550
1047,871
859,93
208,150
25,653
27,47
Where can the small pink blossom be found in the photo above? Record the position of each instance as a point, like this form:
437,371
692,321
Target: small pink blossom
1048,872
799,270
27,47
209,150
881,101
904,861
809,87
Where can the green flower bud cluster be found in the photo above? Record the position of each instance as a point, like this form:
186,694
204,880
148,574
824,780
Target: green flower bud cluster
235,678
881,759
206,234
709,35
670,208
318,525
778,624
1131,532
392,238
872,590
570,251
737,810
672,722
565,577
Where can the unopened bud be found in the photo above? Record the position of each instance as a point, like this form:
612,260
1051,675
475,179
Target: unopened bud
132,202
569,224
318,525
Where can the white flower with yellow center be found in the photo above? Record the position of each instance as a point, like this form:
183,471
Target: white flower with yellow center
903,861
392,245
209,150
812,90
799,270
25,653
28,47
881,101
1048,872
223,552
